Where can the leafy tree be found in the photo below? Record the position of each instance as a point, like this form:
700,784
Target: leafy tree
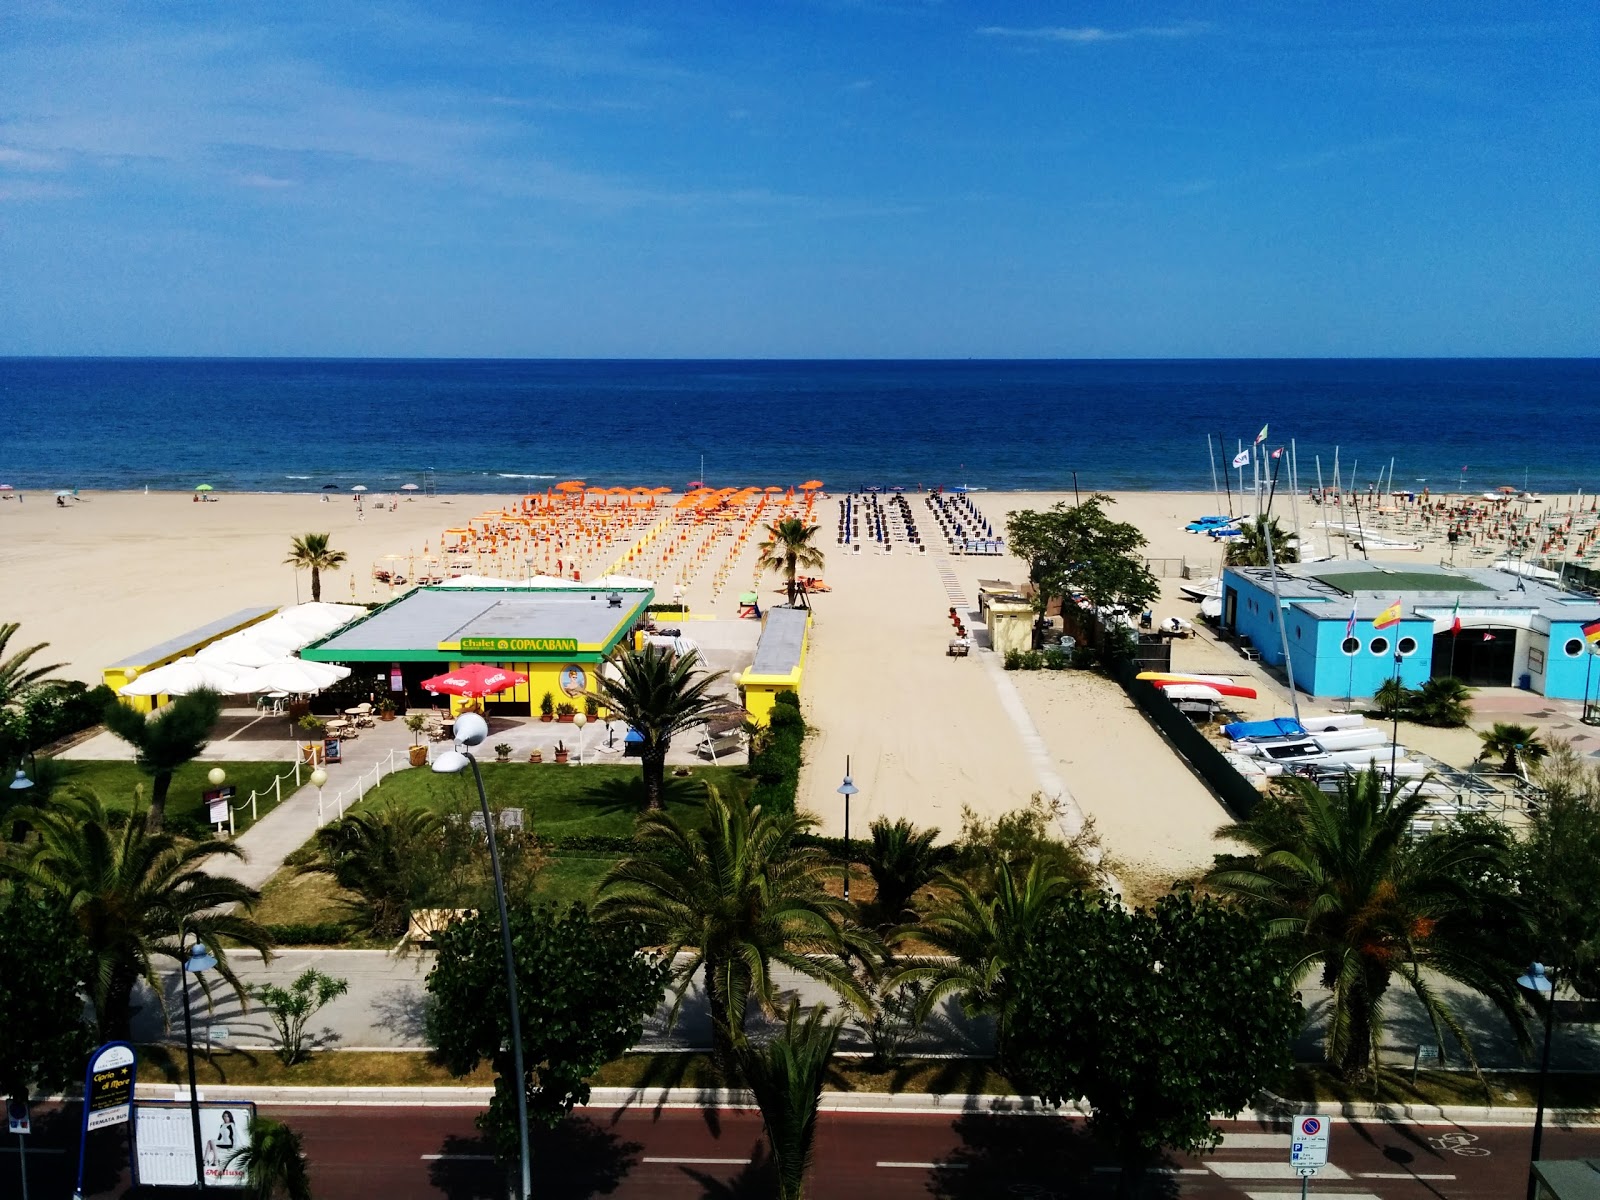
786,1076
43,964
1350,894
18,678
1513,745
311,552
1249,549
1020,837
788,548
978,936
659,696
903,860
291,1008
1080,549
1558,868
584,990
166,740
135,896
1157,1017
274,1162
732,897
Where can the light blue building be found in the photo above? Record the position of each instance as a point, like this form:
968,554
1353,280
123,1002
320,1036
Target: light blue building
1515,632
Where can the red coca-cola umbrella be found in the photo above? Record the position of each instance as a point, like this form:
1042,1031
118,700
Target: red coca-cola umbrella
474,679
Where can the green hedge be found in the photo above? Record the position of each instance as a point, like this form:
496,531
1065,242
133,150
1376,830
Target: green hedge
666,608
323,933
50,714
775,760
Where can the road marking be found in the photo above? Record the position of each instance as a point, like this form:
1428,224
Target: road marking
926,1166
702,1162
1296,1196
1157,1170
1255,1141
1272,1170
1397,1175
38,1150
458,1158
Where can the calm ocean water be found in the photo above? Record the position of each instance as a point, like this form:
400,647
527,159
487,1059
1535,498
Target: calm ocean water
513,426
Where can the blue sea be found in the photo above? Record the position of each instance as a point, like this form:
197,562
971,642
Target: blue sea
515,426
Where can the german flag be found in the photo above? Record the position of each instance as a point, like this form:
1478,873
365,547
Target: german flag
1591,632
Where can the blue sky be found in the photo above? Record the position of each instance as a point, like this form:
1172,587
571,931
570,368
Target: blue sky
805,179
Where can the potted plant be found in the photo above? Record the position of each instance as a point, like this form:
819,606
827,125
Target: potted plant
591,708
502,752
565,712
417,722
386,709
536,755
561,752
313,728
547,708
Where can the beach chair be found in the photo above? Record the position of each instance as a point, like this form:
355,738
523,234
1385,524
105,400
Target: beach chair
712,748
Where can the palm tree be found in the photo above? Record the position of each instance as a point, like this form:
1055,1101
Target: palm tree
788,549
1340,880
137,896
978,936
1444,702
384,854
786,1075
310,551
18,681
274,1162
1250,549
1513,744
734,895
659,696
903,860
165,741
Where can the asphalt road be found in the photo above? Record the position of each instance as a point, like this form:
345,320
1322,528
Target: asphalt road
690,1154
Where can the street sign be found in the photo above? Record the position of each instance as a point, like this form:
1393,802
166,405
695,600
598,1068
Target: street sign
1308,1143
108,1086
17,1116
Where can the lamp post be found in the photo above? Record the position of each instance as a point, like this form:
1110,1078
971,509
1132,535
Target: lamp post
1538,980
318,778
579,720
471,729
199,959
21,782
847,789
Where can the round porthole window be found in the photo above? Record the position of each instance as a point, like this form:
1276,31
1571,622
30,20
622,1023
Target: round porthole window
1574,647
1351,645
1379,645
1408,645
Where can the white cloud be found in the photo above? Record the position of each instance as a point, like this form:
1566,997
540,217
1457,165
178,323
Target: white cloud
1083,35
255,179
11,158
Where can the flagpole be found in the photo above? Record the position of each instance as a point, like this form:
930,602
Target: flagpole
1211,454
1588,674
1338,488
1294,496
1394,736
1350,684
1264,527
1226,482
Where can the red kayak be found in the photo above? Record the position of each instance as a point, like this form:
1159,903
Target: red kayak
1227,689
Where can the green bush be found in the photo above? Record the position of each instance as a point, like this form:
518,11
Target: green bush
50,714
1025,660
323,933
775,758
666,608
1013,660
1056,659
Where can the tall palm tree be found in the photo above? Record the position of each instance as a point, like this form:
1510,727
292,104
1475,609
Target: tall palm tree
1513,745
310,551
1250,549
789,548
903,859
165,741
979,936
735,895
786,1074
274,1162
1340,880
137,897
659,695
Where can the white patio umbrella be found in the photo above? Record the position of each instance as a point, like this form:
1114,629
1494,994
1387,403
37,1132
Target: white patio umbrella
239,652
185,676
293,675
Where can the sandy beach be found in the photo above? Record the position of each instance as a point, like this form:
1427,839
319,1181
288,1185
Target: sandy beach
925,734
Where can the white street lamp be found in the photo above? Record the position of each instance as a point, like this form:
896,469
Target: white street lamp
579,720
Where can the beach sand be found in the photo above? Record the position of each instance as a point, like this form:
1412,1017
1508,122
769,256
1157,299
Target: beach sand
925,734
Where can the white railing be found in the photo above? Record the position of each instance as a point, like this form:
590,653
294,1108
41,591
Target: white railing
360,786
275,791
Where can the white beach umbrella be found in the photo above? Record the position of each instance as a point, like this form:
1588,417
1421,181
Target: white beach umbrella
185,676
360,487
239,651
292,675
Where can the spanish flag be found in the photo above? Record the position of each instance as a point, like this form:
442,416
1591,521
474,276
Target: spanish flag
1391,616
1591,632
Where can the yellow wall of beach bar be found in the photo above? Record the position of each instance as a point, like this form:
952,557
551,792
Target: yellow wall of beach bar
761,691
126,670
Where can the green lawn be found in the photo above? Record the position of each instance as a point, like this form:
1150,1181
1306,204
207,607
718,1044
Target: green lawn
114,782
560,801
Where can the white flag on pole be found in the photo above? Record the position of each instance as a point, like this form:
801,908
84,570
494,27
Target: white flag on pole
1242,459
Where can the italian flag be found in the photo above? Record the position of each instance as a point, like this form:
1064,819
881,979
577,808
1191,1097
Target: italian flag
1455,617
